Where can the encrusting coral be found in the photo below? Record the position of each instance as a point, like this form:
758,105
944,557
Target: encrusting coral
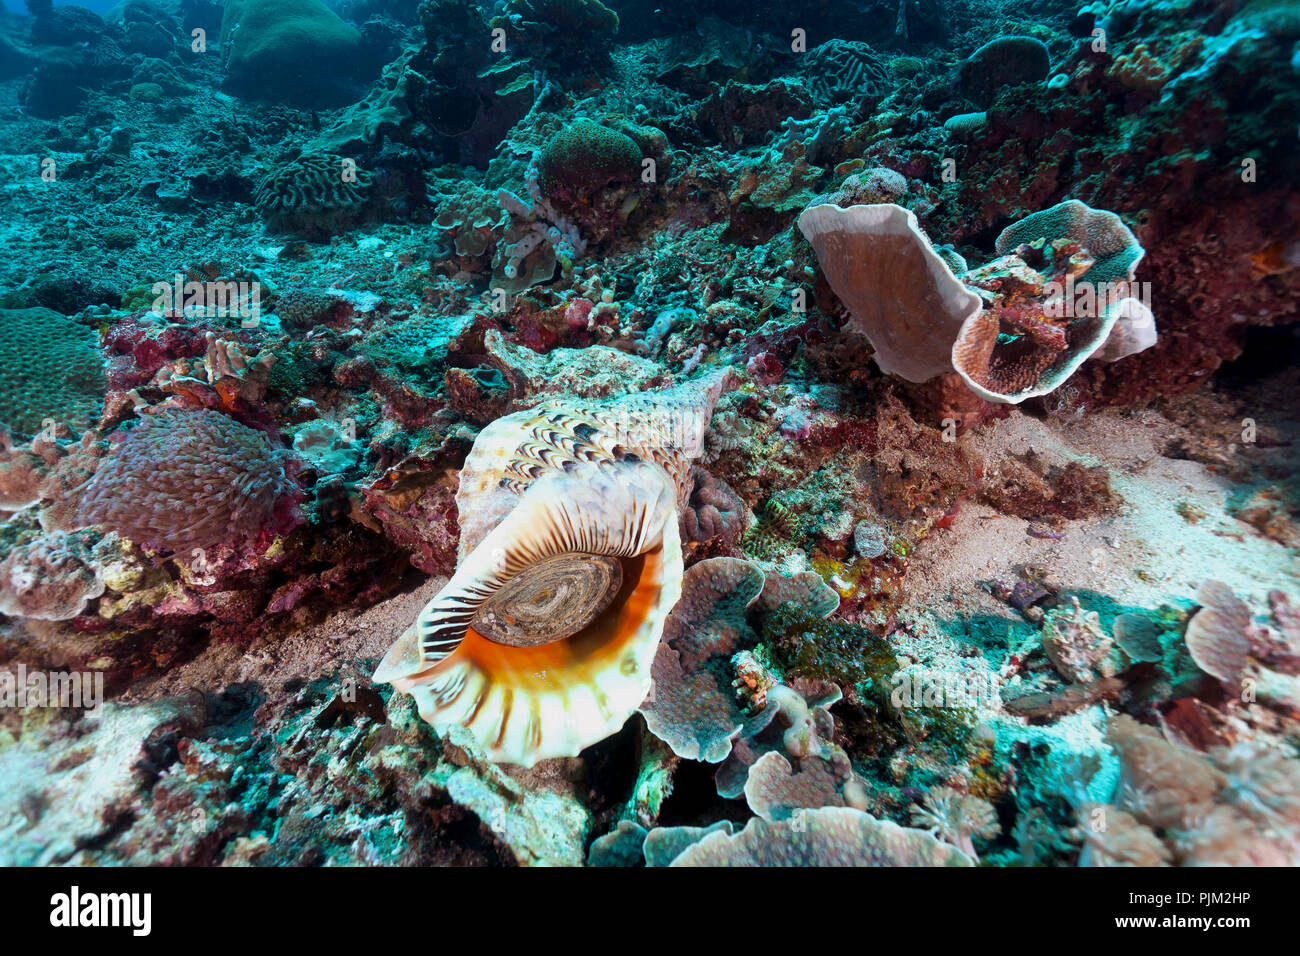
50,369
50,578
1249,658
831,836
1237,806
701,679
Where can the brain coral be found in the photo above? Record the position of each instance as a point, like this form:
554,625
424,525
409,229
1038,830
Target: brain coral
49,368
313,194
840,71
192,479
1006,61
580,160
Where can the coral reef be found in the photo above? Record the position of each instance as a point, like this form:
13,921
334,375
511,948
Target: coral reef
583,159
555,432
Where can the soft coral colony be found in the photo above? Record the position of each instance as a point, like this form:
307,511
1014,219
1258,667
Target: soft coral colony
599,476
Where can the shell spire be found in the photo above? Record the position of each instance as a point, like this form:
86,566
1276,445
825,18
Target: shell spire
665,427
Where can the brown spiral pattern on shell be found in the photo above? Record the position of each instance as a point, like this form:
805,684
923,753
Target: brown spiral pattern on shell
662,428
554,599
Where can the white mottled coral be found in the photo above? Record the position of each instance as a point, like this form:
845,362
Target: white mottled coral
900,292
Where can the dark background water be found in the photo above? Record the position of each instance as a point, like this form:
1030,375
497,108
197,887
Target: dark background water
99,6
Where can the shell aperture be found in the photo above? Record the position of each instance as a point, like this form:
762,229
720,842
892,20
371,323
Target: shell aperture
550,601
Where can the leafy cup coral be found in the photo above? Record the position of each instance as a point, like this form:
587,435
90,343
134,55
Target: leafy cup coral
900,293
1225,641
51,577
692,707
1014,328
1052,301
831,836
785,759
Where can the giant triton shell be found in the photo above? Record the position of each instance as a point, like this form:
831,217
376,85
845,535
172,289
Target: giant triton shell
570,561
